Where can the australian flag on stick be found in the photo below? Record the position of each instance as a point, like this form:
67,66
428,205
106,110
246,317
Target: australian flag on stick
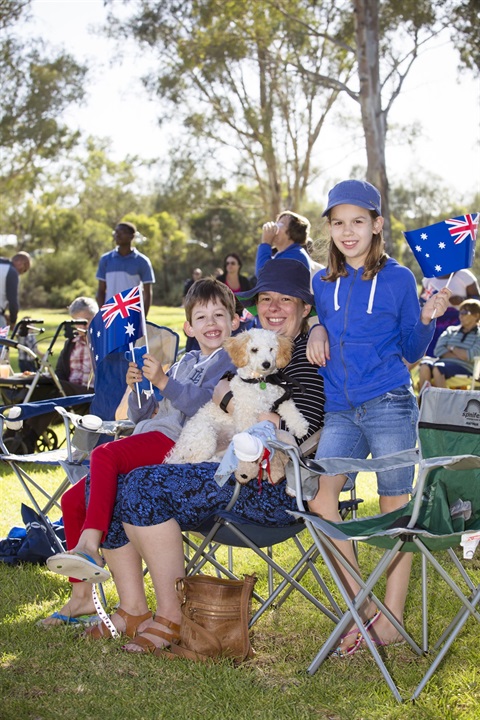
445,247
117,324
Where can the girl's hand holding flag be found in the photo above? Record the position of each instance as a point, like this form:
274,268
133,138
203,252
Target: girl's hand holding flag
436,305
443,248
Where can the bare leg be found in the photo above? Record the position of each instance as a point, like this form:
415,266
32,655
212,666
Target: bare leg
325,504
439,379
424,375
398,576
161,547
80,603
125,564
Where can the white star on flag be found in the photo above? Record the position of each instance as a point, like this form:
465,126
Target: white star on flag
424,236
129,329
418,248
442,245
438,268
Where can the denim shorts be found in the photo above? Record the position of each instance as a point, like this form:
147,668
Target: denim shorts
381,426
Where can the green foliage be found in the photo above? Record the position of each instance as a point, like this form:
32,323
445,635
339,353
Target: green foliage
223,67
465,24
35,90
58,275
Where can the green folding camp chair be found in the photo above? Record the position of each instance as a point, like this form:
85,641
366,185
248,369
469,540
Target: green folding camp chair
444,513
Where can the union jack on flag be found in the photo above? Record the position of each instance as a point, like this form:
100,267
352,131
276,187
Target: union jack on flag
121,305
463,227
445,247
118,323
4,331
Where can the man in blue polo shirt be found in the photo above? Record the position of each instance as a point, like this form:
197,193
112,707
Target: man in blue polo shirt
124,267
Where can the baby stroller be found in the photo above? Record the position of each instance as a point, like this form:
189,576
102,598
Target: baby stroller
31,385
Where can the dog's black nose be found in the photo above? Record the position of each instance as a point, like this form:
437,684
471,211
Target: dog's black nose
266,364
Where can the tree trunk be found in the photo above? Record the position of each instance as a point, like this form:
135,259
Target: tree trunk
373,117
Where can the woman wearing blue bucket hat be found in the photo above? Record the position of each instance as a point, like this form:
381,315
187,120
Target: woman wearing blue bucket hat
155,503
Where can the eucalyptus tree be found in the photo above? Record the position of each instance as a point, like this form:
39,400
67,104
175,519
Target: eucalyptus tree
223,70
383,39
38,84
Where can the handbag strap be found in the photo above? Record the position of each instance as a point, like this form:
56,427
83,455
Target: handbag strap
247,591
178,651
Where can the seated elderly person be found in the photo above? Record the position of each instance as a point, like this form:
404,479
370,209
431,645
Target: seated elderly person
157,503
456,348
73,367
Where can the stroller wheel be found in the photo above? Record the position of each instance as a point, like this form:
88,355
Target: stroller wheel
48,440
16,445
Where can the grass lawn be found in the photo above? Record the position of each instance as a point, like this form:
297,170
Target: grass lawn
55,674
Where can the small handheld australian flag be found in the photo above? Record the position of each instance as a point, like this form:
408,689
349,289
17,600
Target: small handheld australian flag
445,247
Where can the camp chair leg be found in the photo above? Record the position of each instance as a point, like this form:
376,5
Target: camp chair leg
424,591
327,549
308,565
54,500
451,583
431,670
289,578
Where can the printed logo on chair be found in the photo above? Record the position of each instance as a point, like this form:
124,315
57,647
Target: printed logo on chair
445,247
117,324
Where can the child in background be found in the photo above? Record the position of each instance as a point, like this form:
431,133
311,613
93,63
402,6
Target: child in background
370,319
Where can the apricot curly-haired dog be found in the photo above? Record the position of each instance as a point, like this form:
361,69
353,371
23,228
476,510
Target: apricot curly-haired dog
257,354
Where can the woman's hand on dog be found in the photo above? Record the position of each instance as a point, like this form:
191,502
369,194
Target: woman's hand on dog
219,392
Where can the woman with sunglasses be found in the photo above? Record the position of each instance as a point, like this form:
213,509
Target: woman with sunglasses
231,276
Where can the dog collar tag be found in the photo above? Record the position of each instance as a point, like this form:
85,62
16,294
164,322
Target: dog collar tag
263,384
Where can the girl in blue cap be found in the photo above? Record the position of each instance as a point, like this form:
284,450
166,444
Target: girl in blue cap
370,321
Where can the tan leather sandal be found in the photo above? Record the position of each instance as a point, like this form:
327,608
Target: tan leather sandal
146,645
97,632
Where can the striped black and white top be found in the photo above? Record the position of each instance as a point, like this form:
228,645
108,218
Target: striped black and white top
311,402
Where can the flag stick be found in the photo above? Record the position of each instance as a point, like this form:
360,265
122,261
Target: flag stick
448,283
132,350
144,329
144,319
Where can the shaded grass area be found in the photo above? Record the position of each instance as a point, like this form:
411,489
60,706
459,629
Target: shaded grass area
57,674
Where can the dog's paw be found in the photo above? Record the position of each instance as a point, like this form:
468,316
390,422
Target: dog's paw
301,429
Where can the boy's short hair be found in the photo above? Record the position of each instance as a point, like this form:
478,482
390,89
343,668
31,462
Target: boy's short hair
209,290
470,304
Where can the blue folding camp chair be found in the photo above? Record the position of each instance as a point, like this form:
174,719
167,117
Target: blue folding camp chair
65,457
225,527
443,513
73,458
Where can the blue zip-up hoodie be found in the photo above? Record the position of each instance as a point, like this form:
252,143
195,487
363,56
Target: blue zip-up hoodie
371,325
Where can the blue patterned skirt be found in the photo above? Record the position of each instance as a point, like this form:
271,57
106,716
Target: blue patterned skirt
189,494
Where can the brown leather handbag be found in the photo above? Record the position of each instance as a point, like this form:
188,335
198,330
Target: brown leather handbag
215,617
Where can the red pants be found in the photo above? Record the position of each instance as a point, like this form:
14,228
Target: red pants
106,464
